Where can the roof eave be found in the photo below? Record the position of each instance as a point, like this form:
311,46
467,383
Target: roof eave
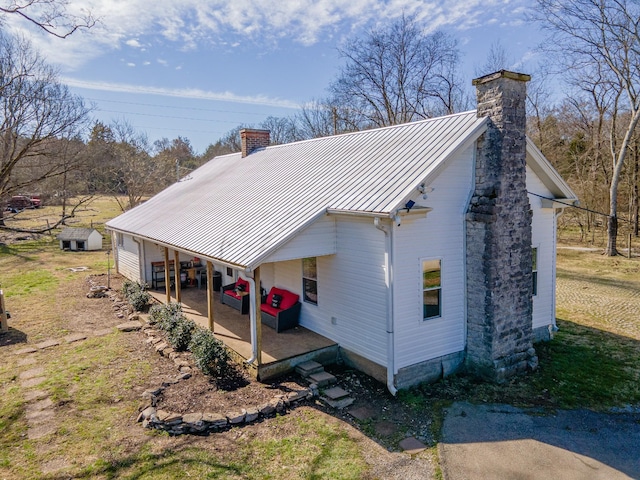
547,174
463,143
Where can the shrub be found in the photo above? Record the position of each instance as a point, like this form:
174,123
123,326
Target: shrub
209,353
155,313
180,335
136,294
166,316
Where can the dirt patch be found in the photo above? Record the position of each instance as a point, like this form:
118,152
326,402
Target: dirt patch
201,393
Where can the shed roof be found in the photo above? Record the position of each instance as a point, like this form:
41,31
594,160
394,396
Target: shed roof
76,233
237,210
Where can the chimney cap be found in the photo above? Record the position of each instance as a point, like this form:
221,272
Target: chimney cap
255,130
522,77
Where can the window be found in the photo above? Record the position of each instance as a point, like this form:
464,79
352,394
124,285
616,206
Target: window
534,255
431,288
120,239
310,280
80,245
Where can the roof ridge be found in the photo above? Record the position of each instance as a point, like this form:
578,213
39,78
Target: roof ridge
373,130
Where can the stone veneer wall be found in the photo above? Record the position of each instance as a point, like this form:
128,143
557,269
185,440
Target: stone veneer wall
499,260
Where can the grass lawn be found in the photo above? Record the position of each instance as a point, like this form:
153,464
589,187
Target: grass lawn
95,385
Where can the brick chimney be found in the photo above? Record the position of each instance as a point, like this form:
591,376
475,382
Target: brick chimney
253,139
499,258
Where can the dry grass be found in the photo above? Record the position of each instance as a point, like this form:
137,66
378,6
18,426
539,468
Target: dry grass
95,388
95,385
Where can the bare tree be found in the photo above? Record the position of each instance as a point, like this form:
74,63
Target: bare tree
35,111
602,36
497,59
134,171
322,118
397,75
173,159
51,16
282,129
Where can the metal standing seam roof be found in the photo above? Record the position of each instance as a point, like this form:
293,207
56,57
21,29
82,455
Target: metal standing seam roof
237,209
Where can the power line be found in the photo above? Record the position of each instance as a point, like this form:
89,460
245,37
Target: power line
142,127
168,116
577,207
174,107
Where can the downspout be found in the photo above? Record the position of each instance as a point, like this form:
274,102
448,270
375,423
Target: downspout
388,234
252,319
558,212
141,256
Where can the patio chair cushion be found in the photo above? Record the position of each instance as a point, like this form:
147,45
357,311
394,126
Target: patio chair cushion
241,285
276,300
289,299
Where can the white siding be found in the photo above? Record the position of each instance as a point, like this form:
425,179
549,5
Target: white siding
351,307
94,242
441,235
543,237
129,259
318,239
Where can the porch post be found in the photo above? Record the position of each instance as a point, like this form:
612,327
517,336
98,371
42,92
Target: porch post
176,275
257,300
210,294
167,275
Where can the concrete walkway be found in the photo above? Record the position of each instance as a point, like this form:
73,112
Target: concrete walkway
502,442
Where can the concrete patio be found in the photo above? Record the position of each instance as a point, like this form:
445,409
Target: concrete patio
281,352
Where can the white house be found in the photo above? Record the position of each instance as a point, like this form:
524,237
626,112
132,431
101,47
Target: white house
80,239
401,223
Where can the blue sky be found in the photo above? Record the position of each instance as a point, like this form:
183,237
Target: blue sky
198,68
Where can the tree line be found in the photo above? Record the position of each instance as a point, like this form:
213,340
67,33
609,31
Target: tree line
390,75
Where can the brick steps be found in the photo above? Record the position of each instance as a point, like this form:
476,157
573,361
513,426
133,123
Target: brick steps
318,378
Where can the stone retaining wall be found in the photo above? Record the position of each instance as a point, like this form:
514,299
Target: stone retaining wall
204,422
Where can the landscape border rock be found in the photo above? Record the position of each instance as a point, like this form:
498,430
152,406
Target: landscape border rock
203,423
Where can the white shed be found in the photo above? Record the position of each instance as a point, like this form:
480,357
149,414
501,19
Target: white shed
395,223
80,239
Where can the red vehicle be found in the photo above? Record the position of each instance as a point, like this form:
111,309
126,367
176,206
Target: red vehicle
21,202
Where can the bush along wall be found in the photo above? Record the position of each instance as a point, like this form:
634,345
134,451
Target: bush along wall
136,294
210,356
209,353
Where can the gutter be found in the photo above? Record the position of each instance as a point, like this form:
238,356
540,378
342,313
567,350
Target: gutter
200,255
388,233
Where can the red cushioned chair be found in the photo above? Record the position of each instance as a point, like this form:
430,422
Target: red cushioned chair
236,295
283,312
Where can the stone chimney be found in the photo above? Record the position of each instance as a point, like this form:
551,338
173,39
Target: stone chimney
499,257
253,139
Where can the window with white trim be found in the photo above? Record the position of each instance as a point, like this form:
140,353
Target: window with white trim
120,239
534,259
310,280
431,289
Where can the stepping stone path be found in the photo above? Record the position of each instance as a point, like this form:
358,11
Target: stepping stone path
412,445
39,407
319,379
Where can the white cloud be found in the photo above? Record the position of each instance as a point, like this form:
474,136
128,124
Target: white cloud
131,64
134,43
180,93
190,23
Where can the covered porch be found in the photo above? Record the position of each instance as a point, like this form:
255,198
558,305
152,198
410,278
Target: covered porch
280,352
